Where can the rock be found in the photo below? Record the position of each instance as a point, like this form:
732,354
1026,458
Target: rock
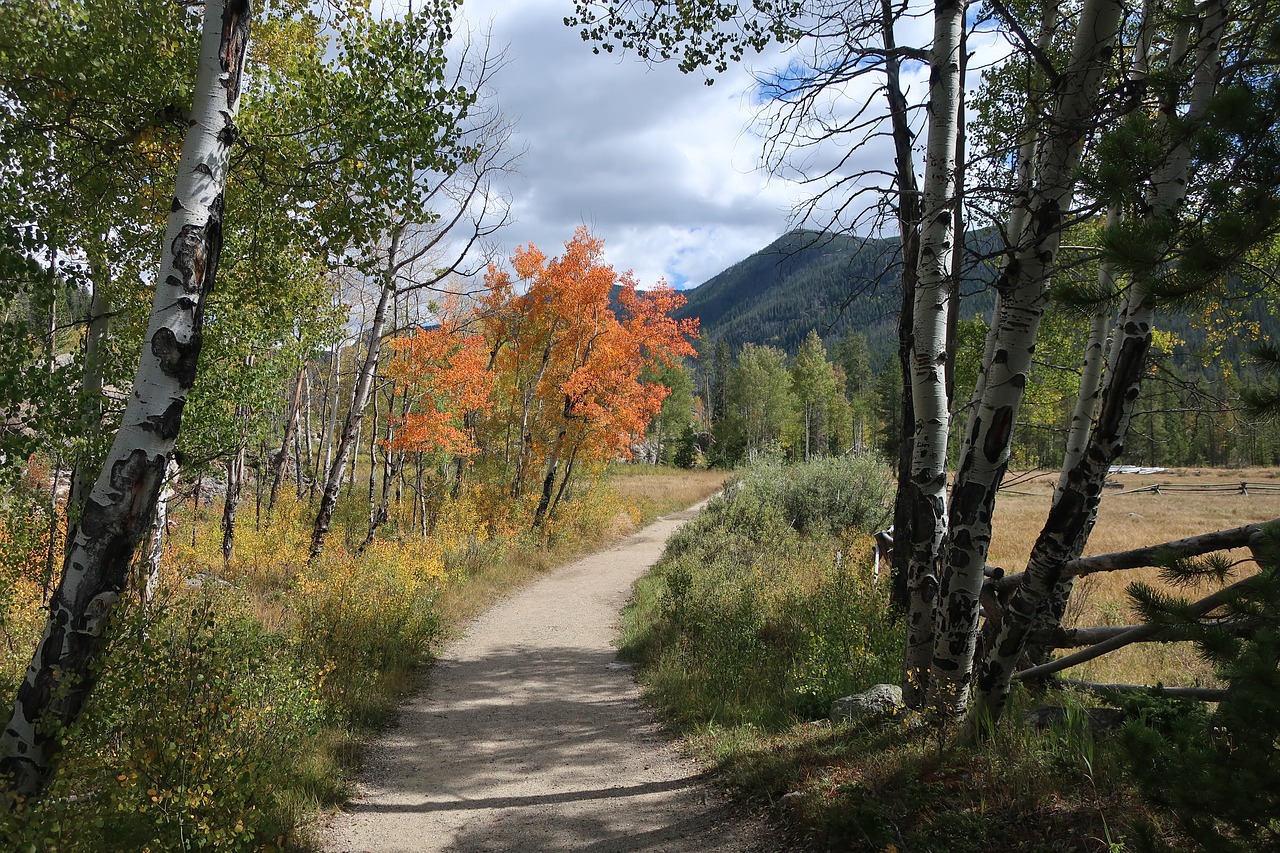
790,799
200,579
879,700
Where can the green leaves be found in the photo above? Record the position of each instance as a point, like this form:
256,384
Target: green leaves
700,35
382,122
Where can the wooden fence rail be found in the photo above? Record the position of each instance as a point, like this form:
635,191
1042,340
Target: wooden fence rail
1224,488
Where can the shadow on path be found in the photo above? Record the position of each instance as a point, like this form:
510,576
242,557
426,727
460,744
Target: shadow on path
530,737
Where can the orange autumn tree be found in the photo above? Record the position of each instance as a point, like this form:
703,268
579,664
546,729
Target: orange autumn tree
448,376
449,383
568,388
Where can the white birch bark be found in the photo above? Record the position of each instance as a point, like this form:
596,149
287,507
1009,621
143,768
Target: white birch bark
120,506
1075,507
159,529
1080,427
931,311
1021,202
359,399
1022,286
280,460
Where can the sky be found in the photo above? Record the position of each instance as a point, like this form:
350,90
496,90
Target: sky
661,166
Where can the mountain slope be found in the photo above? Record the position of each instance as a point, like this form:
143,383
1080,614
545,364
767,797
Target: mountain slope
811,280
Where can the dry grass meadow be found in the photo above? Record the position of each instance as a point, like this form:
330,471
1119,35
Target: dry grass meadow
634,496
1130,520
663,490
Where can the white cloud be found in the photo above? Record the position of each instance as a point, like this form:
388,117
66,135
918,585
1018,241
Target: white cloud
655,162
661,166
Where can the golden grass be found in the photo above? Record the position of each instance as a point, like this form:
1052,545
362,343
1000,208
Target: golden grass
1127,521
637,494
664,490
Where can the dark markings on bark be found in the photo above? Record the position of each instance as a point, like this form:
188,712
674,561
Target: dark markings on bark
213,249
64,673
229,133
177,359
166,425
962,542
997,437
175,205
190,255
1011,273
926,511
235,36
1046,220
1133,354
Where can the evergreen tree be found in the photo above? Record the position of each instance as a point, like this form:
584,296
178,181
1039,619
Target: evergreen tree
687,449
1221,775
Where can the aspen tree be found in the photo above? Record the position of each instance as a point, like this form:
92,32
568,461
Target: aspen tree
119,508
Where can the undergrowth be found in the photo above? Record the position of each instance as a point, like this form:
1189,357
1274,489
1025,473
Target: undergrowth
746,621
231,710
763,610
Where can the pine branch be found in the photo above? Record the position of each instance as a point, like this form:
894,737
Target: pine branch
1139,633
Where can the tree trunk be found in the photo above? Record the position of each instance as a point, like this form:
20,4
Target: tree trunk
359,399
282,458
1075,507
1078,432
148,584
119,508
231,504
329,416
553,464
908,218
564,481
307,444
1022,287
392,465
931,311
525,438
373,451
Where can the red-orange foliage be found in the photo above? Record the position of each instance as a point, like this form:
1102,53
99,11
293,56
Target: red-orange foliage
447,373
556,375
570,367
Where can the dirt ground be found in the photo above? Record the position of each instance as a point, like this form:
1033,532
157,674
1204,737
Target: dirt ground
531,736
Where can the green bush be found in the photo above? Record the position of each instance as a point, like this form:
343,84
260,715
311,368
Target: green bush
762,610
187,742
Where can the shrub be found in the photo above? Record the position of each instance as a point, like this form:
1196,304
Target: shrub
187,742
368,619
747,621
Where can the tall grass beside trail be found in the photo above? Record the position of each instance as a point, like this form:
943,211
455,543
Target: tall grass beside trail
763,609
232,710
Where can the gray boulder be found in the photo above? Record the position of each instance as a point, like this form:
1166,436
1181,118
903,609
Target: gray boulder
879,700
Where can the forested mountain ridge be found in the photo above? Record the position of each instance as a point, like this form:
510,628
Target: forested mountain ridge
810,280
815,280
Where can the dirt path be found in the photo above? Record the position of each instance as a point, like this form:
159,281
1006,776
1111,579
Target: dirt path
532,737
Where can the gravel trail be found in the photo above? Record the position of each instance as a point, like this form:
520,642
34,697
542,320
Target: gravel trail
532,737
